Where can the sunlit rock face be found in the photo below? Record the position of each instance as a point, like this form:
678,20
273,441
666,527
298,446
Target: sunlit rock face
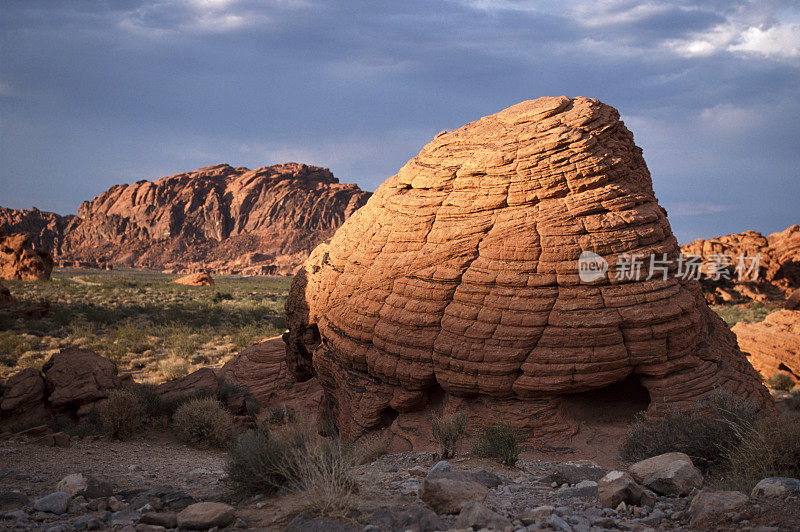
457,283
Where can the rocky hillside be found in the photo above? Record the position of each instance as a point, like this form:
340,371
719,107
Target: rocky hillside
221,218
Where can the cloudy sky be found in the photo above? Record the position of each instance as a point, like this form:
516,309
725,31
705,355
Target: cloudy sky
94,93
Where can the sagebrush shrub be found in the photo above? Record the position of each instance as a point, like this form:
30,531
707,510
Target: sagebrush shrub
770,448
500,441
706,432
174,367
203,421
448,432
781,381
150,400
120,416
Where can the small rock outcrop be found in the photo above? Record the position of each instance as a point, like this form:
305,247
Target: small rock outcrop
772,345
196,279
19,260
460,279
6,299
668,474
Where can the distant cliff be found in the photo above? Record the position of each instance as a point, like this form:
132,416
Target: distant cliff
220,218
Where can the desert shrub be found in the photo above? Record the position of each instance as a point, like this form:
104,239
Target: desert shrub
324,476
203,421
371,453
263,461
83,428
33,360
770,448
150,400
12,345
781,381
230,391
448,432
751,313
131,337
221,296
121,415
794,399
281,415
174,367
500,441
170,406
706,432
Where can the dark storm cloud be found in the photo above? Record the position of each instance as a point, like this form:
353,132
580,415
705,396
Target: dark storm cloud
96,93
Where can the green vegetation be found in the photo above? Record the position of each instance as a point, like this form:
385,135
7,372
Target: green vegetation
750,313
770,448
140,318
448,432
781,381
500,441
203,421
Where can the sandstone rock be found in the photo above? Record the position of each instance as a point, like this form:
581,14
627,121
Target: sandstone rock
448,496
416,519
165,519
786,246
793,301
18,260
668,474
618,487
776,487
196,279
77,377
262,369
6,299
202,379
25,393
54,503
205,515
78,484
478,516
539,514
772,345
460,275
218,218
709,504
574,472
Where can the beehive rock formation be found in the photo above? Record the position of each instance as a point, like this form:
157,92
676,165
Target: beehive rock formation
459,279
774,344
18,260
218,218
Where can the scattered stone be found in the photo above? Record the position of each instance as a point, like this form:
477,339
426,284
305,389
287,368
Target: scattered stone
205,515
149,528
416,519
448,495
165,519
440,467
618,487
709,504
54,503
538,514
87,522
124,518
478,516
583,489
575,472
12,500
77,505
85,485
417,471
116,505
559,524
776,487
668,474
61,439
305,523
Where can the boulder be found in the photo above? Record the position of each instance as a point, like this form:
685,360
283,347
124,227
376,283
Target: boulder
478,516
772,345
6,299
165,519
202,380
617,487
449,495
25,393
668,474
574,472
77,376
710,505
779,487
196,279
54,503
205,515
18,259
81,485
491,270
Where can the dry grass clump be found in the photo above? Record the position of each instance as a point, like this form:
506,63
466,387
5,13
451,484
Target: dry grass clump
295,458
771,448
174,367
500,441
120,416
12,345
706,433
448,432
203,421
781,381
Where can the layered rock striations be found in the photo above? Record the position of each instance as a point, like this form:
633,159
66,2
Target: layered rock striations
772,345
458,283
219,218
